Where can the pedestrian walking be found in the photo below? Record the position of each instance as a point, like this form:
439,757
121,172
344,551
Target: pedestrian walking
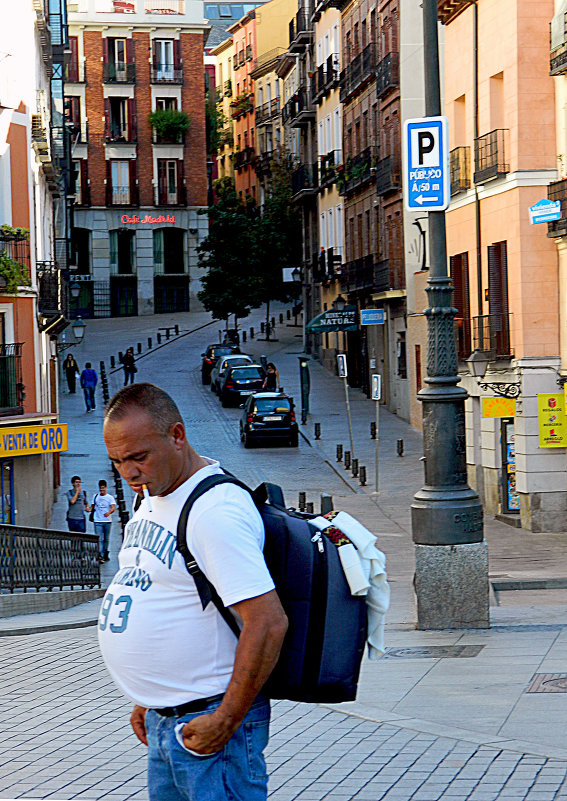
77,506
272,380
89,381
71,369
129,364
197,703
103,506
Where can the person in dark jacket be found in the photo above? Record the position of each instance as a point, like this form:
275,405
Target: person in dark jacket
128,362
71,369
89,381
272,380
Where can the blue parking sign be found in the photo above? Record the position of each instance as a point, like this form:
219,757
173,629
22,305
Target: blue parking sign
427,179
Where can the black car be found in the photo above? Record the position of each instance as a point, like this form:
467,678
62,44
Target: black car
212,355
239,382
268,415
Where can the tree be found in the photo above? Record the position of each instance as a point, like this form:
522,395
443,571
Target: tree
228,253
278,239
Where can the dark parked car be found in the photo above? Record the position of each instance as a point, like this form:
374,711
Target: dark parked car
212,355
222,365
268,415
239,382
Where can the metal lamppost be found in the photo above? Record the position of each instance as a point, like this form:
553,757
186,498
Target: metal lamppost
447,520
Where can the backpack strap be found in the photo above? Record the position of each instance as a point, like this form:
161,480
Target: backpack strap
207,592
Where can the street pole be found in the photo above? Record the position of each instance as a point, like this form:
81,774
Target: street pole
451,578
349,417
377,441
376,394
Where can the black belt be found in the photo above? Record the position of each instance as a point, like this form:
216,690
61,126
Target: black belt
198,705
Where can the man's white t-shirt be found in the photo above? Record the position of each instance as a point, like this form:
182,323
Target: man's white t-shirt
102,504
160,646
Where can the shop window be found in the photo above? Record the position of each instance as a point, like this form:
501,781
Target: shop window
122,252
401,357
7,512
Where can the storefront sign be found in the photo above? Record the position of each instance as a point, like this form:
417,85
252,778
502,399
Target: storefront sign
498,407
126,219
552,420
33,440
333,320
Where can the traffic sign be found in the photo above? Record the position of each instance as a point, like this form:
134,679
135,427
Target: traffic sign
376,392
372,317
427,177
342,365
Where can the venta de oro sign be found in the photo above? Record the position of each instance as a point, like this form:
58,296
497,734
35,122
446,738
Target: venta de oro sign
126,219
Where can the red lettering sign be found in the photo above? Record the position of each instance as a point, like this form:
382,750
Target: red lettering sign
126,219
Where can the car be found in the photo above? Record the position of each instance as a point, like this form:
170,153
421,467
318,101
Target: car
212,355
234,360
269,416
239,382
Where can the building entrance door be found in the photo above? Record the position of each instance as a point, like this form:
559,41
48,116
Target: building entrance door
7,511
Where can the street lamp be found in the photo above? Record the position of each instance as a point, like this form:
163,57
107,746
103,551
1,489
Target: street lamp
78,327
75,290
478,363
339,303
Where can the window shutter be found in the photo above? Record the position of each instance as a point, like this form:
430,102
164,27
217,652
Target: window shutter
109,183
105,50
495,301
130,51
133,176
155,62
162,181
181,194
177,60
132,120
107,118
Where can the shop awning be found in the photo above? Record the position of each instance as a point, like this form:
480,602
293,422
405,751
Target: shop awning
333,320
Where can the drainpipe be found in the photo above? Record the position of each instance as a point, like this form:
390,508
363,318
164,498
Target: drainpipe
480,298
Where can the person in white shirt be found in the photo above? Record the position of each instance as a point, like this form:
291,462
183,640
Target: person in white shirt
194,685
103,505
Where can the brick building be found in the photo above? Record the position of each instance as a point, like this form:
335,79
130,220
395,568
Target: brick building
139,186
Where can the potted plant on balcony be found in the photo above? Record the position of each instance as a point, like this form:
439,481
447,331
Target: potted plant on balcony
12,274
170,124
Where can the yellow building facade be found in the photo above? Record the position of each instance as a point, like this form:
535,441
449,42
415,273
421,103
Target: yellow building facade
225,89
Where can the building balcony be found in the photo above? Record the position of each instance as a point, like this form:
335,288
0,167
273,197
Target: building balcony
267,111
358,274
244,158
52,290
460,158
263,163
79,132
449,9
242,105
120,136
171,195
299,111
558,47
177,138
12,392
249,54
17,248
300,32
122,195
328,168
118,72
490,156
227,88
166,73
388,175
332,73
491,334
358,72
357,171
75,72
558,191
304,181
388,74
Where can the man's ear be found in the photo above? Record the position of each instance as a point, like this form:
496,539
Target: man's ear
177,432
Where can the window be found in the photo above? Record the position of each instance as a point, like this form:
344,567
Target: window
339,223
322,230
164,103
331,229
163,59
73,117
237,11
225,11
211,11
117,122
120,182
338,133
402,368
121,252
170,180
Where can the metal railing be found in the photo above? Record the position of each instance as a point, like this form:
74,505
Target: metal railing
490,156
388,74
358,274
248,52
304,179
300,29
176,138
558,191
361,69
558,46
167,198
268,110
18,249
52,295
166,73
36,558
388,175
460,169
357,170
11,387
491,334
118,72
244,157
121,195
328,167
332,72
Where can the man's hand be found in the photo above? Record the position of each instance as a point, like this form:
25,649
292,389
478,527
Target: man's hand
207,734
138,723
107,514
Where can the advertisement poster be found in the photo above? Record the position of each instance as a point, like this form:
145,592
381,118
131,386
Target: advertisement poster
512,497
498,407
552,421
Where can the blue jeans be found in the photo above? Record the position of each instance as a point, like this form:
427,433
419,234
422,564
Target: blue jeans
236,773
103,531
78,526
88,392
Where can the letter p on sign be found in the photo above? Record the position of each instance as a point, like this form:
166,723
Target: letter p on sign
426,148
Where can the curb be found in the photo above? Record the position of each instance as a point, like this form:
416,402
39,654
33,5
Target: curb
49,627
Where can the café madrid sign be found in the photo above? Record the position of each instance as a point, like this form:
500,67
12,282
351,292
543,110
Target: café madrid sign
126,219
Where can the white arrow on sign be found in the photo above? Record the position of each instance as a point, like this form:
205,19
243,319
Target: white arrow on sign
420,199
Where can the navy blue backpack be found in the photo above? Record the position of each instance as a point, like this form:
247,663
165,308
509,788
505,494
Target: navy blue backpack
324,645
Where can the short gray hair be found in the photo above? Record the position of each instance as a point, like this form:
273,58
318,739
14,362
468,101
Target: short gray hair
153,400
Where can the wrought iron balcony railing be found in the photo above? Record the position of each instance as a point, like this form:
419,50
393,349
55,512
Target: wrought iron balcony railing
244,157
118,72
388,74
358,274
300,30
267,111
490,156
388,175
36,558
11,387
558,46
332,73
491,334
166,73
558,191
358,72
357,171
17,248
304,180
171,196
328,167
53,295
460,169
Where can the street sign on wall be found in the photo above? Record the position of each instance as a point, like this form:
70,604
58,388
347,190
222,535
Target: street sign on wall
426,172
372,317
545,211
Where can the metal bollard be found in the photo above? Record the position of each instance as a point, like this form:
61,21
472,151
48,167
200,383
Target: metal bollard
339,453
362,475
120,356
150,343
139,347
372,430
317,430
302,500
112,361
400,447
167,330
326,503
355,467
262,327
309,508
244,336
158,337
347,460
288,314
251,333
281,318
273,321
176,330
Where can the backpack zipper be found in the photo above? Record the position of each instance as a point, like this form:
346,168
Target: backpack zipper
319,540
